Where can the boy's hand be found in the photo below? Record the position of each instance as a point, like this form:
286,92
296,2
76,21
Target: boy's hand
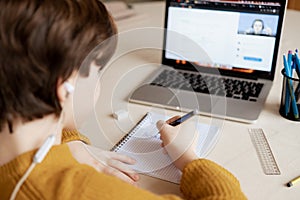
179,141
107,162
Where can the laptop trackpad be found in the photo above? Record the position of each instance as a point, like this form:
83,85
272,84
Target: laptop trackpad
191,100
153,94
173,98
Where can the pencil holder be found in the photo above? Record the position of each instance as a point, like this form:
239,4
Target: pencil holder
290,97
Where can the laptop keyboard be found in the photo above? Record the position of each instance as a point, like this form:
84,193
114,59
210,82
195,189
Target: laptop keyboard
220,86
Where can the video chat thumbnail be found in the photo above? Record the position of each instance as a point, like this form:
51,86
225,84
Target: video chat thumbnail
258,24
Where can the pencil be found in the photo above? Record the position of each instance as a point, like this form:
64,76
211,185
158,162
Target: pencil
293,182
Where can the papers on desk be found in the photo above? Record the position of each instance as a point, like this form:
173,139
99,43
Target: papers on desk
144,146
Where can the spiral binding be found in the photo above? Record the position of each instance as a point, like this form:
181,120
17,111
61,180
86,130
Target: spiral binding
125,139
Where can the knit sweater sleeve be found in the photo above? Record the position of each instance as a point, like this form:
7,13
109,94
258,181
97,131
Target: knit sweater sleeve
204,179
69,135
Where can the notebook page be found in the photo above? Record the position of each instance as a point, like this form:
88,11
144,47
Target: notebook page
144,146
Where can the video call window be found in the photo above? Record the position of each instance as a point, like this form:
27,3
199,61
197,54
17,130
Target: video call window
258,24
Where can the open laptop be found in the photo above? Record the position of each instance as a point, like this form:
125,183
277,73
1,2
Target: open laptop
219,57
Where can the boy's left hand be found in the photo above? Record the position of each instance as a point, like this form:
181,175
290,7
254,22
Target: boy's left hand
107,162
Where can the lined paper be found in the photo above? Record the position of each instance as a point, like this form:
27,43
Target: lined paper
143,144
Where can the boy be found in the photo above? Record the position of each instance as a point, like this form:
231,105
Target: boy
42,45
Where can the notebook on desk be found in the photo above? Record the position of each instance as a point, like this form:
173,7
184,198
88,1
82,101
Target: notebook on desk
142,144
219,57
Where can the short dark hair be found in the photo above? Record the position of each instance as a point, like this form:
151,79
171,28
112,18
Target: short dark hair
42,41
258,20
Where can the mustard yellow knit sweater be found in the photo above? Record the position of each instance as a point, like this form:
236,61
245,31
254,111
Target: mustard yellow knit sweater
60,176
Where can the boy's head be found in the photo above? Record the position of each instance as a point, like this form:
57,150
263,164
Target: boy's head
42,42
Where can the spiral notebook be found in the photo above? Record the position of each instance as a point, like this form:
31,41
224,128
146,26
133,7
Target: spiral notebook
143,144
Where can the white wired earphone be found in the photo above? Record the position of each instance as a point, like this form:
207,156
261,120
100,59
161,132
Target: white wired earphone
43,150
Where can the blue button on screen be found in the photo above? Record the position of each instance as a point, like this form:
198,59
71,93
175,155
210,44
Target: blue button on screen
252,59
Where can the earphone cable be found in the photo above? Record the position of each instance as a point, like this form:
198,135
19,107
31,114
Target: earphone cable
21,181
37,158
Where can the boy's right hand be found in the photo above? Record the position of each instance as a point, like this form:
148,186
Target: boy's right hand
179,141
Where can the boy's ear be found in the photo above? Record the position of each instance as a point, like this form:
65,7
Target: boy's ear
62,93
64,89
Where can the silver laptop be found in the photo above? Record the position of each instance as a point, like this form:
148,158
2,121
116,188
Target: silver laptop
219,57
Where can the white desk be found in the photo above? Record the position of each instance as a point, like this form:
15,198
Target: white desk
234,149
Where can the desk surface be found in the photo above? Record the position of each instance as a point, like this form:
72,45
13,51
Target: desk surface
234,149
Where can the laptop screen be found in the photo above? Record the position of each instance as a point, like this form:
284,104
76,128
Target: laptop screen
238,37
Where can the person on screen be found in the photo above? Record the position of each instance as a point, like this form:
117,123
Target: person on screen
258,28
42,46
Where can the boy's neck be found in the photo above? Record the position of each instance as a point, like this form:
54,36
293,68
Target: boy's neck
27,136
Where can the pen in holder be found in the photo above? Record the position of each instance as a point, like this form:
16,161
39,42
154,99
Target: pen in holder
290,97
